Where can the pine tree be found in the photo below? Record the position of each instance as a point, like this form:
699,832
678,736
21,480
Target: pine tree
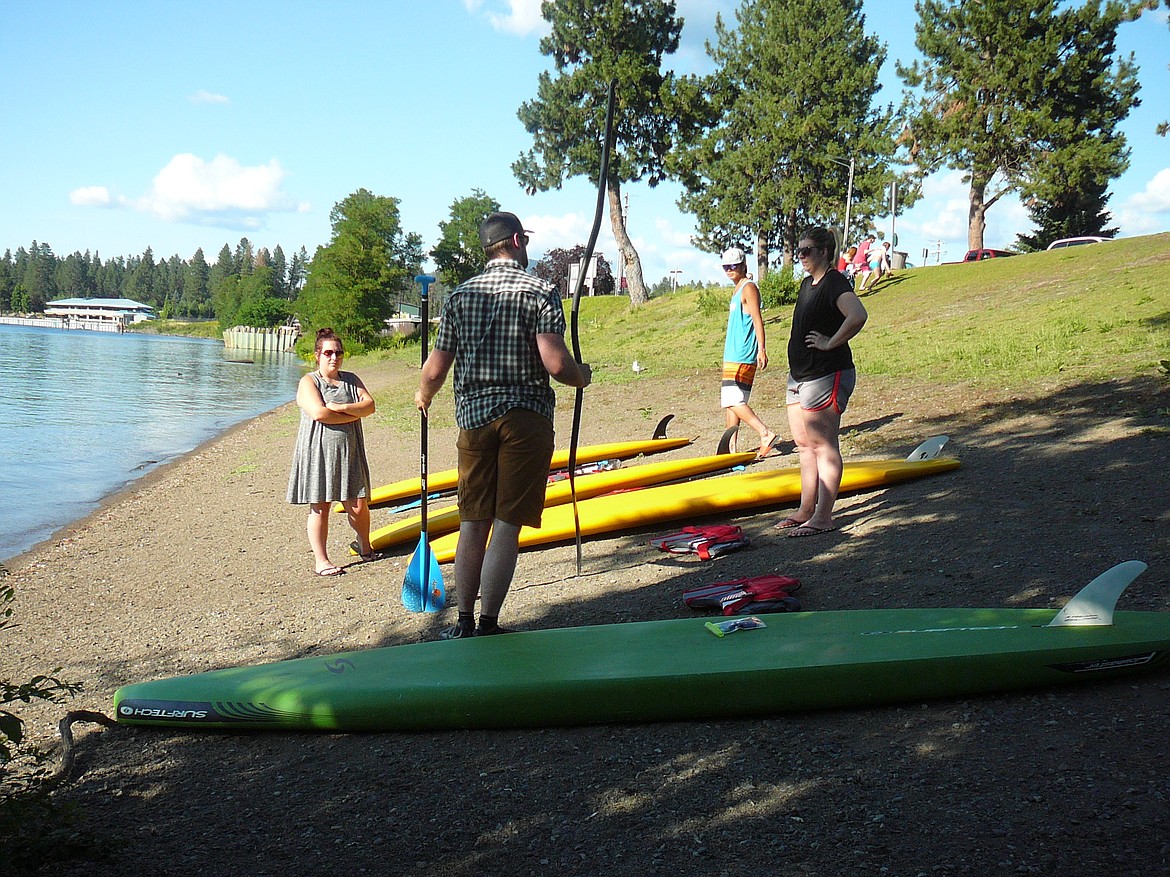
37,284
196,300
1015,92
591,43
793,96
279,274
296,272
7,281
245,259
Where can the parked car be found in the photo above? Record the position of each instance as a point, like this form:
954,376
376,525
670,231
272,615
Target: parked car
1076,242
980,255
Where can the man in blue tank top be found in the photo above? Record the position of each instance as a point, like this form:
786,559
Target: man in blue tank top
743,351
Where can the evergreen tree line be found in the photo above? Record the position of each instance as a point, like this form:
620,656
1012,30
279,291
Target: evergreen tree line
354,283
265,280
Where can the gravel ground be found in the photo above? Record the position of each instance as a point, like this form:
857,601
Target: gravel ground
202,565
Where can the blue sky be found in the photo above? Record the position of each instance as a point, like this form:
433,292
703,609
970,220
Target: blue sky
185,125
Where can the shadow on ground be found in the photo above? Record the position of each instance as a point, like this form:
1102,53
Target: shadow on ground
1052,491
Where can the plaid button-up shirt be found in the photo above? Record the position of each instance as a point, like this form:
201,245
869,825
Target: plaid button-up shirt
490,324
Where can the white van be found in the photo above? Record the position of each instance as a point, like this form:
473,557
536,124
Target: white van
1075,242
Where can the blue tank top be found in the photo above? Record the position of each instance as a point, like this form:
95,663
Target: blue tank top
741,344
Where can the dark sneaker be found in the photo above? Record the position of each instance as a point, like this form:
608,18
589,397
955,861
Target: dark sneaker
459,631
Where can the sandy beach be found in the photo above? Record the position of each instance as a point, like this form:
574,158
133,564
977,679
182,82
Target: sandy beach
202,565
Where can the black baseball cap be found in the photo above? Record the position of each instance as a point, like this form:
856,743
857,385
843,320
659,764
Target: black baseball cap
500,227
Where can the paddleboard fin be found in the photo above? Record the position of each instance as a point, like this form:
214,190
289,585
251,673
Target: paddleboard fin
928,450
725,440
1093,604
660,430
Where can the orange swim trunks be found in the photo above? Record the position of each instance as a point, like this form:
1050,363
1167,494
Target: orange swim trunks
736,387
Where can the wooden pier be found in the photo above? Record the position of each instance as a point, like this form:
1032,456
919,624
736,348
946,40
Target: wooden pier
280,340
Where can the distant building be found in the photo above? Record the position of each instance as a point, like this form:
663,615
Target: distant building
86,313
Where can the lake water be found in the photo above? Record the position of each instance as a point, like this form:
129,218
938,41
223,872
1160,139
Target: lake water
89,412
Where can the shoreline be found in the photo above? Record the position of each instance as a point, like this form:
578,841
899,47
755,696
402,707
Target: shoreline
74,466
153,471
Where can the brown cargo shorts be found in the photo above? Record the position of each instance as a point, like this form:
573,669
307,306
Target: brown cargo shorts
503,468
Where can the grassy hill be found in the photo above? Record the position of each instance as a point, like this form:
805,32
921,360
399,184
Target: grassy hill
1095,311
1080,314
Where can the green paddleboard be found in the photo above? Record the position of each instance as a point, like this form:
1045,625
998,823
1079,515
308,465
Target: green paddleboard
671,670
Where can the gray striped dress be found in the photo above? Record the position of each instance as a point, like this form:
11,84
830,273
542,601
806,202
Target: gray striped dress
329,459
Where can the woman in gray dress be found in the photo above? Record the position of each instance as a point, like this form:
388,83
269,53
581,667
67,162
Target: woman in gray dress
329,461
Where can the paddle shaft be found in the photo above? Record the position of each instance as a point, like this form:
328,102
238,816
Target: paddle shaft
424,313
602,182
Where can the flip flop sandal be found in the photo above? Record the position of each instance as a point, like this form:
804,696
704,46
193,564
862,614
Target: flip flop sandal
789,523
809,531
371,555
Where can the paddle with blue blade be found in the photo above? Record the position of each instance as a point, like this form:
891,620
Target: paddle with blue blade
422,589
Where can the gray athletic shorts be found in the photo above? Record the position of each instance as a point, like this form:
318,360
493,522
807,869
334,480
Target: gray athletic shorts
821,393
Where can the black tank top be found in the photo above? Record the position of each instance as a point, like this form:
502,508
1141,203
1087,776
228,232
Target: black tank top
816,310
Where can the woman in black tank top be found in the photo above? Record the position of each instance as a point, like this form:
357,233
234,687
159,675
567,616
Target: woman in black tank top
820,378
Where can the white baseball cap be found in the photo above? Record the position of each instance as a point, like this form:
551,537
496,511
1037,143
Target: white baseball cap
734,256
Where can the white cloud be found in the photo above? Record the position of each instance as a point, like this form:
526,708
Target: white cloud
91,196
207,97
673,236
567,230
938,221
940,214
1147,212
191,188
218,192
550,231
519,17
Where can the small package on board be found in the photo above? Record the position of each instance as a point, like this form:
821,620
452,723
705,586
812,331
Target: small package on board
723,628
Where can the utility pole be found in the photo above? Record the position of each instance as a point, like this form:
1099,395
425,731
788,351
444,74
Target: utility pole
848,203
893,213
848,197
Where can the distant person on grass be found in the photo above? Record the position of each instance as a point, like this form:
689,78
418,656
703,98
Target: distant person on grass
329,460
504,333
879,265
821,378
744,351
860,260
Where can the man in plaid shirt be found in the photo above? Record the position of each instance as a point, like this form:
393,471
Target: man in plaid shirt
504,333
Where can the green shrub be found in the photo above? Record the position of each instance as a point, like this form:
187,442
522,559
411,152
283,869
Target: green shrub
779,288
263,313
712,300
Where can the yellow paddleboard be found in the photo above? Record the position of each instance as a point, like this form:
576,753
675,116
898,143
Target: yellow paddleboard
446,520
448,479
671,502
